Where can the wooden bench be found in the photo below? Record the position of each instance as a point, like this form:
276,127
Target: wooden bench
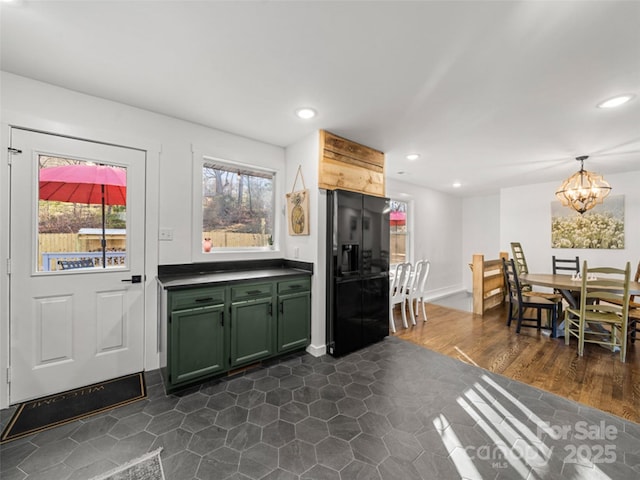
71,264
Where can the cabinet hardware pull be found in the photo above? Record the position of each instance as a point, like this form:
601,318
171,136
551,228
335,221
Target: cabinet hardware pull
270,309
293,287
254,292
281,307
204,299
222,319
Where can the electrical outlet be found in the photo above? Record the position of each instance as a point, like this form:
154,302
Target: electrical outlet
166,234
296,252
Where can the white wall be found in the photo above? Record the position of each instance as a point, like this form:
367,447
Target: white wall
525,217
310,248
437,225
169,144
480,232
447,229
523,214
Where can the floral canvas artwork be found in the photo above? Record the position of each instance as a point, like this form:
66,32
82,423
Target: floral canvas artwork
600,227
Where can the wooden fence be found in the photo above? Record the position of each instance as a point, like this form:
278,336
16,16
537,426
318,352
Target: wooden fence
232,239
58,242
73,242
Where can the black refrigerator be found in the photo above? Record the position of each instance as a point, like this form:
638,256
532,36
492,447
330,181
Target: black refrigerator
357,270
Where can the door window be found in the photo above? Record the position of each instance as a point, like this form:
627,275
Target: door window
82,215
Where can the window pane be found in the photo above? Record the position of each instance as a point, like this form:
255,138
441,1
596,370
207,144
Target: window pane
398,231
237,207
82,215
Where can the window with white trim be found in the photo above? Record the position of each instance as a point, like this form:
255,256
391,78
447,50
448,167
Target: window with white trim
399,232
238,206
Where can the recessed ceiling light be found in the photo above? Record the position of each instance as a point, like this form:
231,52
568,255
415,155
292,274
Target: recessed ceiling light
616,101
306,113
456,185
413,156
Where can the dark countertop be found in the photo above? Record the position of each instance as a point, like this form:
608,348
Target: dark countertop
173,277
184,281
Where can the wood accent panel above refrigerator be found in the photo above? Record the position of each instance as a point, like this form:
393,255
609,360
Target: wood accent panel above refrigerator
348,165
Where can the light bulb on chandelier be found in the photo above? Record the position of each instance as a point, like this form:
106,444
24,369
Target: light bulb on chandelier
583,190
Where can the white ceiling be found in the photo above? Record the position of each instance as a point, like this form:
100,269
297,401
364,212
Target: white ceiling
491,94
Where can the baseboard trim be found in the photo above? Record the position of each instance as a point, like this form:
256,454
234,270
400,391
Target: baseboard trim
443,292
317,351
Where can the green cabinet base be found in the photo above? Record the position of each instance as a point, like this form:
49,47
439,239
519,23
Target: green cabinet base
214,329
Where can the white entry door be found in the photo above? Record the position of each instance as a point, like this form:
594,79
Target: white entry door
77,303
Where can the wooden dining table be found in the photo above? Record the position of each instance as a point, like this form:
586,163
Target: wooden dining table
566,285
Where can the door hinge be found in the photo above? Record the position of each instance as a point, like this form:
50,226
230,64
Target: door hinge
8,374
8,266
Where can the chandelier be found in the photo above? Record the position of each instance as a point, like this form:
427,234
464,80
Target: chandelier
583,190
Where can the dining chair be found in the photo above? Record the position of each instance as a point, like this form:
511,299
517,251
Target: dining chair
634,311
634,322
417,289
521,261
565,265
519,303
604,307
398,293
522,268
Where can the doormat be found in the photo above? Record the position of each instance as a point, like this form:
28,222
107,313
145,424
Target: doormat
146,467
43,413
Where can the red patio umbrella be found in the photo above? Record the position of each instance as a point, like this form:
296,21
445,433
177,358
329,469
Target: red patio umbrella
397,218
88,184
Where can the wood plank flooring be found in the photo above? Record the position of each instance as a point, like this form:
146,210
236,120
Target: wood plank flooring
598,379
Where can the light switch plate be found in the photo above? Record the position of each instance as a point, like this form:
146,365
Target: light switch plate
166,234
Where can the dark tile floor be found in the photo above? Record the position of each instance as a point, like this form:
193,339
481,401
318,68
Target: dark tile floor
390,411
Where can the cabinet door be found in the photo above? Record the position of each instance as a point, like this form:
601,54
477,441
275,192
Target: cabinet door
294,312
196,343
252,332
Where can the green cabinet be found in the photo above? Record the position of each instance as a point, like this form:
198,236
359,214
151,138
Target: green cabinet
252,332
212,329
197,343
294,314
196,335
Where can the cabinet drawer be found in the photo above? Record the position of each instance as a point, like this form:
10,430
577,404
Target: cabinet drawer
254,290
294,286
196,297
